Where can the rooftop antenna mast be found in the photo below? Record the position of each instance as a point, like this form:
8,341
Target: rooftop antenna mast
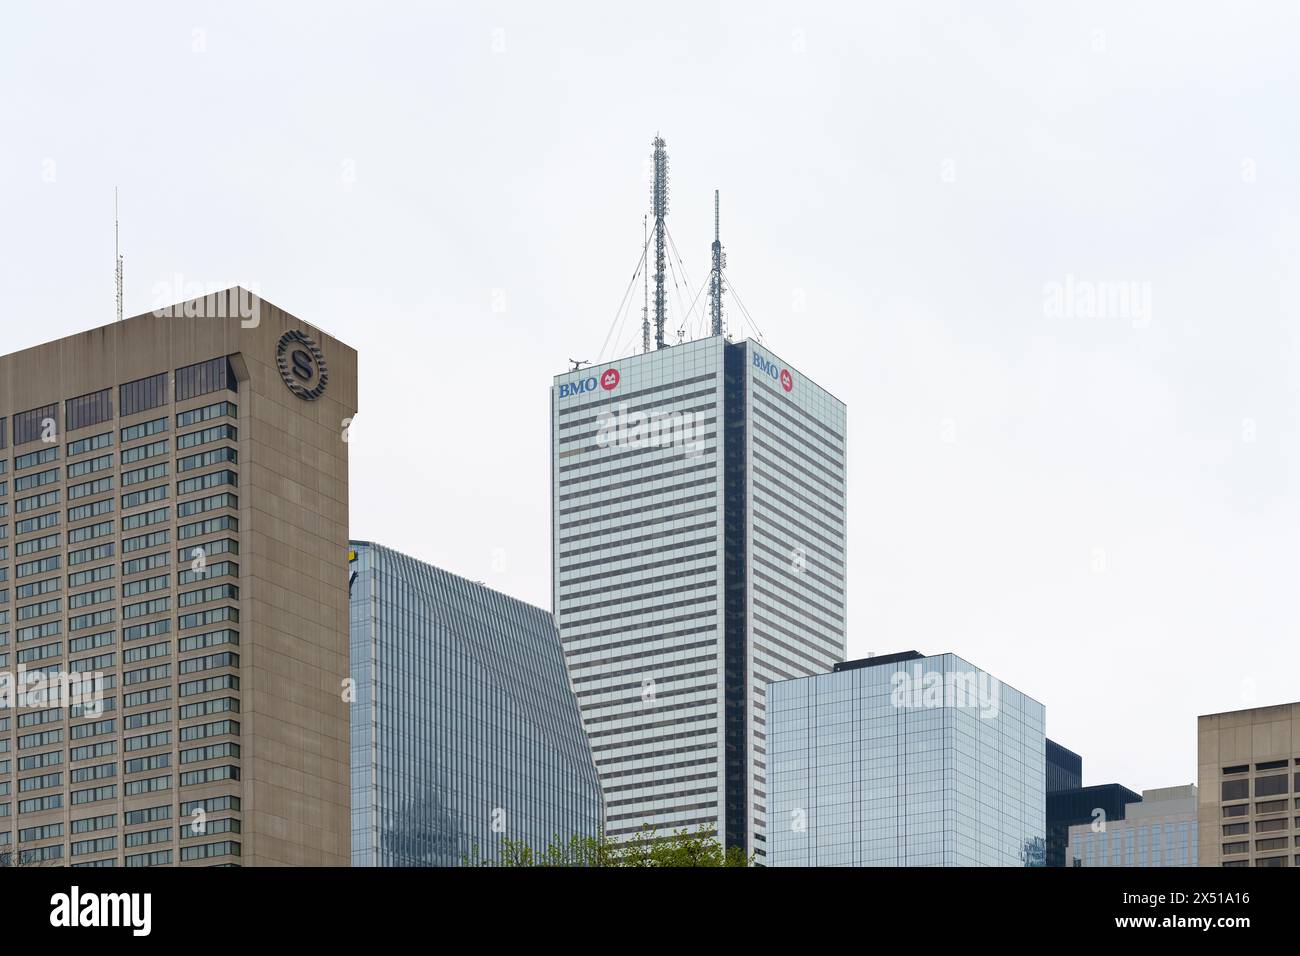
659,206
117,250
715,277
645,275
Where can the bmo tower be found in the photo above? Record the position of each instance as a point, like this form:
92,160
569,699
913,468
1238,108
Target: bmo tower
698,536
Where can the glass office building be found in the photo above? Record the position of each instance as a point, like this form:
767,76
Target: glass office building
905,760
698,555
464,730
1158,829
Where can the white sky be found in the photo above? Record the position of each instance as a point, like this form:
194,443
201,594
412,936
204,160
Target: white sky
1101,511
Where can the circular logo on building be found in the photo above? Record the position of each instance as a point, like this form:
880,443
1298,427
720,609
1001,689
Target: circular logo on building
301,364
787,380
609,379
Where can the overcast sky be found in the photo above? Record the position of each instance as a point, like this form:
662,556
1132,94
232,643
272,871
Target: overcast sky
924,206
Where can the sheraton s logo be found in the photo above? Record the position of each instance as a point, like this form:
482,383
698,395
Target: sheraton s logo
774,371
608,380
301,364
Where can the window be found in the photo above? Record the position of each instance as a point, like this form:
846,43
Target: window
206,413
88,410
34,458
215,433
89,466
1269,786
1268,826
1271,806
144,430
143,394
93,443
204,377
29,426
207,459
140,452
204,482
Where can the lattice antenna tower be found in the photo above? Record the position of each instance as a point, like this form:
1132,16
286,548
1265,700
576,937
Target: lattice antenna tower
117,252
659,208
645,276
715,277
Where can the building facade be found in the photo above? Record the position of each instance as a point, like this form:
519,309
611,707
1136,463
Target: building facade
1249,791
698,555
905,760
464,730
1078,805
173,502
1064,768
1160,829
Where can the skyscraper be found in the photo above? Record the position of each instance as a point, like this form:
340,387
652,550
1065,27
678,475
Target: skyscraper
1249,792
173,511
464,730
698,554
905,760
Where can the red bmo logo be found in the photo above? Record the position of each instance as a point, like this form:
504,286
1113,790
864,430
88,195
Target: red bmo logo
787,380
609,379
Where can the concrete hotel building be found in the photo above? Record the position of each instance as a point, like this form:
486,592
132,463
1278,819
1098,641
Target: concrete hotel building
174,515
1249,790
464,730
698,529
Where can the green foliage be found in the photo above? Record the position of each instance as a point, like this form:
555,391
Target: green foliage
681,848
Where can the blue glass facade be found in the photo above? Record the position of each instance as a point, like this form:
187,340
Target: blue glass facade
910,761
464,729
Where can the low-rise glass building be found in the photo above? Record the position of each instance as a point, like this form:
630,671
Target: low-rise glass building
464,729
905,760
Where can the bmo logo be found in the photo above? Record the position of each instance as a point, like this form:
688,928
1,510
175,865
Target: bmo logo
608,381
774,371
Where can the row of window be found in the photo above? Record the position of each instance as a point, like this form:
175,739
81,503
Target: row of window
202,378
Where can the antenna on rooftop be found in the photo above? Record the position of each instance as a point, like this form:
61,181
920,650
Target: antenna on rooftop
117,250
659,206
715,277
645,275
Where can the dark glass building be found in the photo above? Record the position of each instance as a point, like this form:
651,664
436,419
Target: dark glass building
464,729
1064,768
1078,805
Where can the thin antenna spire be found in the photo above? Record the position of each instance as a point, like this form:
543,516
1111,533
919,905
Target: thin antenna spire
645,275
117,251
659,206
715,277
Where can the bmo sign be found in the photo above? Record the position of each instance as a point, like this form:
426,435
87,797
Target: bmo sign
774,371
608,380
